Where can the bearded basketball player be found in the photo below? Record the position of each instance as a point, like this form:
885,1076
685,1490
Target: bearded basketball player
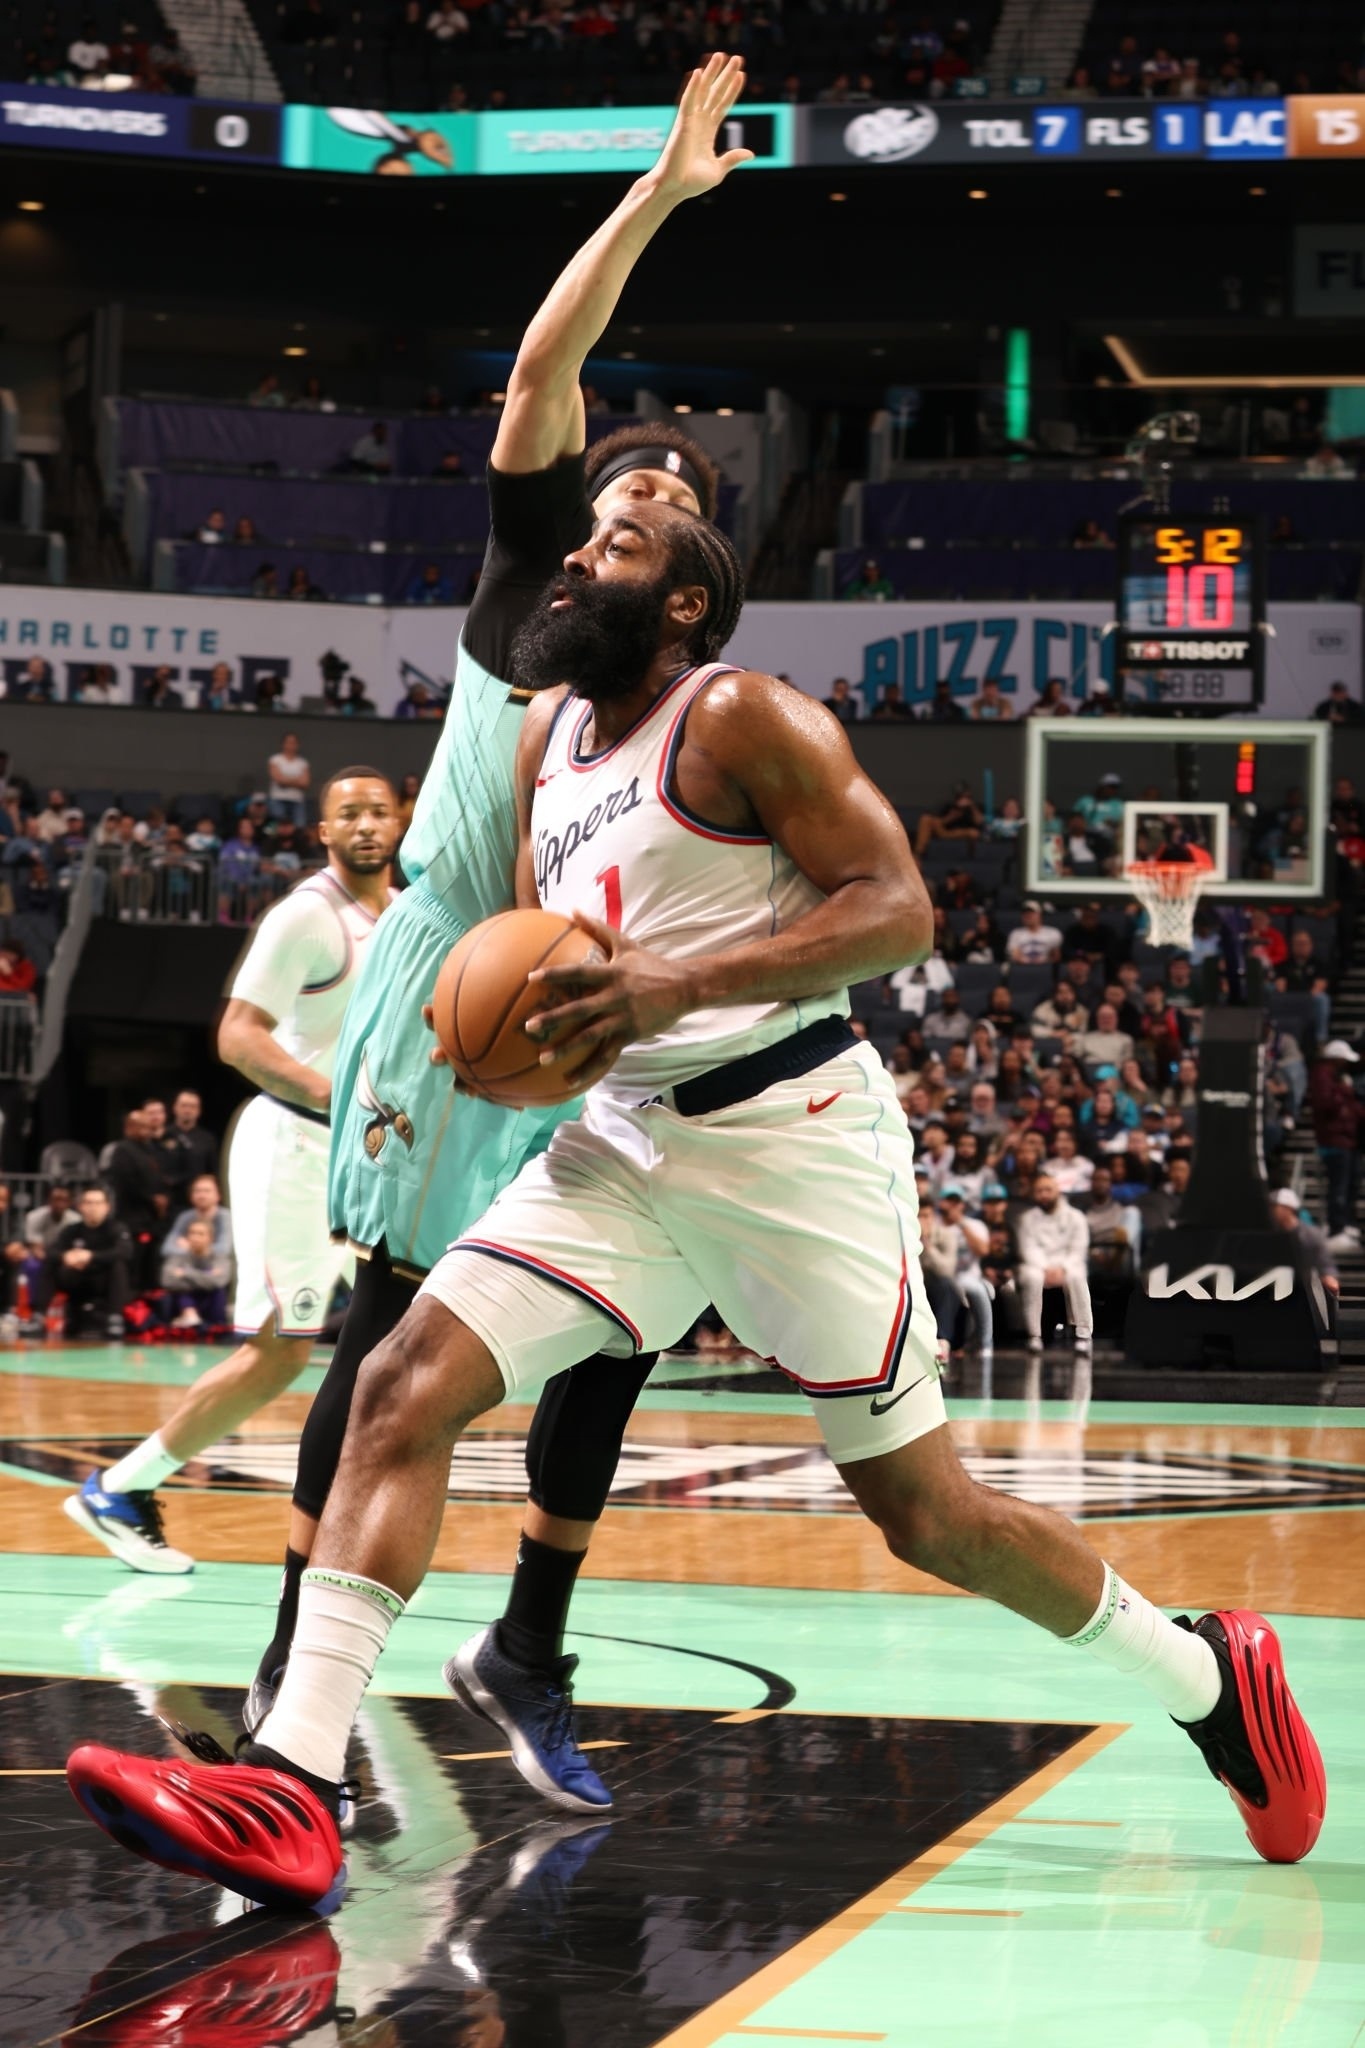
737,1145
412,1164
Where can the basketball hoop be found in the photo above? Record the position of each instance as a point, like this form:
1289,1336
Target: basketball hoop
1169,892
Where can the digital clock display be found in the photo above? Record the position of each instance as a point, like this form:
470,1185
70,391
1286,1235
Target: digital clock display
1190,605
1188,579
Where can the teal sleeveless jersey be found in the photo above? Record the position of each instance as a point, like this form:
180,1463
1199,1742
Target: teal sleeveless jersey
412,1162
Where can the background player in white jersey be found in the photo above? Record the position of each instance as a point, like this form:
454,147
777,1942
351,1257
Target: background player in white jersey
280,1030
777,1182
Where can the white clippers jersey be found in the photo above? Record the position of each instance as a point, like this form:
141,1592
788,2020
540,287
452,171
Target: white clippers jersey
611,837
302,965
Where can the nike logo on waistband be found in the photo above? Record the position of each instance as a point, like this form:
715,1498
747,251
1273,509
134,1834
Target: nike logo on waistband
879,1407
813,1108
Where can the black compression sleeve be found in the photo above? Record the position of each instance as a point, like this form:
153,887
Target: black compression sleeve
535,521
378,1304
574,1443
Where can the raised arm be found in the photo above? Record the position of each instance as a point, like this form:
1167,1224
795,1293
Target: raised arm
543,418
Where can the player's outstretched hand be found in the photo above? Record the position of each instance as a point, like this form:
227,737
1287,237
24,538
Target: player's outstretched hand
629,994
689,164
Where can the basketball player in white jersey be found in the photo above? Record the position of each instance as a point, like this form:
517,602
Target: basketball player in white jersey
737,1145
280,1030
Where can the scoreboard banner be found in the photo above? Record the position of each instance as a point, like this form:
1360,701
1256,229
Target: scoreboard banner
977,132
138,124
622,139
1327,125
625,140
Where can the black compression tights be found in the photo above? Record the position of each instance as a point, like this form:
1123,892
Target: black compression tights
575,1437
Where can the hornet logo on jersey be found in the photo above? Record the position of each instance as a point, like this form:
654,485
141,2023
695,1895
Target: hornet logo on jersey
552,851
383,1117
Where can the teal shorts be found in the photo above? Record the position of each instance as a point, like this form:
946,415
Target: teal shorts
412,1162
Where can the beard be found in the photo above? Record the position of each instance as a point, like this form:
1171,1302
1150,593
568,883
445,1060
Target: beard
601,645
361,862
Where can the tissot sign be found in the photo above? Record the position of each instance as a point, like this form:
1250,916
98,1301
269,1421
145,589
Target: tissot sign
973,132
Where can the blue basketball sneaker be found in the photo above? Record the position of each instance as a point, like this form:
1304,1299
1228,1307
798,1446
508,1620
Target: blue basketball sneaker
128,1525
535,1712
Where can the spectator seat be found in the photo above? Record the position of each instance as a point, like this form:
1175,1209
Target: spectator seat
1030,985
93,802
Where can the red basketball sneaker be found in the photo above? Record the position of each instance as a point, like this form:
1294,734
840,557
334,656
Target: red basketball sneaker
258,1830
1256,1740
201,1990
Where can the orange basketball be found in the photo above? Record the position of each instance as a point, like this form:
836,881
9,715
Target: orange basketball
482,1001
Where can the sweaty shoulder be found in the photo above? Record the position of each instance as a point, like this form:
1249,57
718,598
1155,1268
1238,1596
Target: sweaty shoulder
745,715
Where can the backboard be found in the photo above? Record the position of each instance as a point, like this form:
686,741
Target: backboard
1177,830
1251,793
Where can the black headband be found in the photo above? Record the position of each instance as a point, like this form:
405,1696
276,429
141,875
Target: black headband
660,456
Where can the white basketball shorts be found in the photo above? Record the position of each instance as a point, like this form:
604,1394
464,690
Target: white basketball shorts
287,1265
794,1212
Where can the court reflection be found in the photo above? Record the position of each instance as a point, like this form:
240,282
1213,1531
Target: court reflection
476,1917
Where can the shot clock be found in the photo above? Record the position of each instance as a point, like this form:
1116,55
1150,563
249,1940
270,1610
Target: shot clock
1191,606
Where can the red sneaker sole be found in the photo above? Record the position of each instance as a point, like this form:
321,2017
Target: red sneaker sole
1287,1826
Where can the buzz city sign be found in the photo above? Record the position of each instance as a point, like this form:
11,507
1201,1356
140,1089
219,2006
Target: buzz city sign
1022,647
916,646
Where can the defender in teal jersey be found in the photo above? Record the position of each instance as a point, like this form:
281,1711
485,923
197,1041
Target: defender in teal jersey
413,1163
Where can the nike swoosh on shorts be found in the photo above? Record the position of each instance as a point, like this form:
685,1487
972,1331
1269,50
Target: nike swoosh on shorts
879,1407
813,1108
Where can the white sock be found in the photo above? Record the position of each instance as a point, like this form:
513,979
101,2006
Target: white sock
1132,1636
343,1624
144,1468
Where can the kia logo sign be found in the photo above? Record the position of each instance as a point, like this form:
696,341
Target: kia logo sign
1161,1287
1324,641
890,135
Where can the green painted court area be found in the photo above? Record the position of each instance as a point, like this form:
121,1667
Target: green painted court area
1210,1947
1110,1902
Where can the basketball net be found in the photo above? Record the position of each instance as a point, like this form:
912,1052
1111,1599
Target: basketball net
1169,892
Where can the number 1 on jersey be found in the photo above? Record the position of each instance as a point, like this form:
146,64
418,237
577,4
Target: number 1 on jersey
610,878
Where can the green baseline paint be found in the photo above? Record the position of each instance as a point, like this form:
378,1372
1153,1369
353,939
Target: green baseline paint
180,1365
